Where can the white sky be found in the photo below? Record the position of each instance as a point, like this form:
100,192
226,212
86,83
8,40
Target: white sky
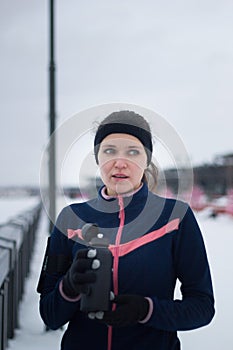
174,57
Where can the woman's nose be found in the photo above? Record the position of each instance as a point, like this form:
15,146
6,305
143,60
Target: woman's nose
120,163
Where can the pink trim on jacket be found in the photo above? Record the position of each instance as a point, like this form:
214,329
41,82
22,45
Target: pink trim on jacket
126,248
65,296
115,254
148,316
72,233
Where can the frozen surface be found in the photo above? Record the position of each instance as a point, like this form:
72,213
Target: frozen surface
9,207
31,335
218,236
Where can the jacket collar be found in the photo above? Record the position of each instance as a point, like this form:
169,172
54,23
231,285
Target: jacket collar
132,202
107,197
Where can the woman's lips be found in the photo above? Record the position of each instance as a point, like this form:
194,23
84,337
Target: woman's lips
120,176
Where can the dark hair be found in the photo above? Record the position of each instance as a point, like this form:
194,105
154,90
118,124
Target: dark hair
132,123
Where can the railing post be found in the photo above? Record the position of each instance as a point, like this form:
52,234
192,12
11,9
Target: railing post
16,245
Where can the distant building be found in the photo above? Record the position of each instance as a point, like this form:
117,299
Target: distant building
215,179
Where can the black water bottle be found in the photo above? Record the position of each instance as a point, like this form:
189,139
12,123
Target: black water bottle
98,297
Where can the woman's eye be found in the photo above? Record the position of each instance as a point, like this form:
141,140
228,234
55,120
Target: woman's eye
113,151
109,151
133,152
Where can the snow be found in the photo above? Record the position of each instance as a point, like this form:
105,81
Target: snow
218,236
9,207
31,333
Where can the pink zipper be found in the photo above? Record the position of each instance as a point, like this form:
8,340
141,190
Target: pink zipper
116,260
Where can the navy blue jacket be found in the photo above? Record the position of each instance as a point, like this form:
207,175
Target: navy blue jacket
160,243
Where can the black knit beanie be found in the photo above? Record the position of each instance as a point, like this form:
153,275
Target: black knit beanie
125,122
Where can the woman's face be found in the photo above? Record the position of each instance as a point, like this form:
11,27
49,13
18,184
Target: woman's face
122,161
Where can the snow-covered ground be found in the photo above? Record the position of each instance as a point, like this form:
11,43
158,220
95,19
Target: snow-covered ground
9,207
218,236
31,335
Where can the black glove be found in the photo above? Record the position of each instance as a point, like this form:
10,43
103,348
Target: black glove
81,273
130,309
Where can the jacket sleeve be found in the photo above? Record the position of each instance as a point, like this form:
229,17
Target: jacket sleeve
54,309
196,309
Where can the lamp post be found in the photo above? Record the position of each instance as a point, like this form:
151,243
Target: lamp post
52,121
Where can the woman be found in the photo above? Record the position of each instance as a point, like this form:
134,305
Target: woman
154,242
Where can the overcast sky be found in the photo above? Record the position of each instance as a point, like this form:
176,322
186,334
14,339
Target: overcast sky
173,57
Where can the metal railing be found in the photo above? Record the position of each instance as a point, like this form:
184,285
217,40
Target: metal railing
17,238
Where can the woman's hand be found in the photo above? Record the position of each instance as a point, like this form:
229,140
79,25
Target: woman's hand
81,273
130,309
